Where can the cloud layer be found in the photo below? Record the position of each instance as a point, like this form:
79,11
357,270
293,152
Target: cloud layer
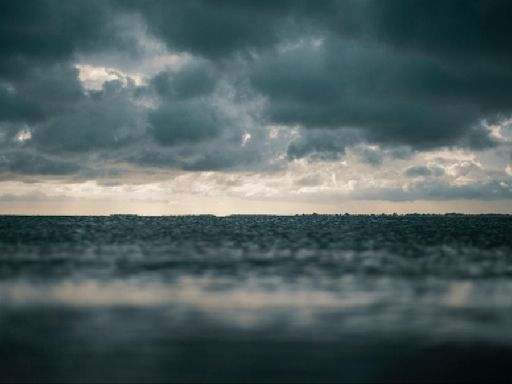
94,88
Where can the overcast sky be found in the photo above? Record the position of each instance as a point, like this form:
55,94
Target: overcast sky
174,107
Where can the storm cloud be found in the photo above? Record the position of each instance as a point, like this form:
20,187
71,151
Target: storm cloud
253,86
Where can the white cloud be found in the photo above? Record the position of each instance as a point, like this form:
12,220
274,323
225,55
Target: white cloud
93,77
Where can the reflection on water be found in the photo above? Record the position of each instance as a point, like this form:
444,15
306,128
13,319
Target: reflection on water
255,298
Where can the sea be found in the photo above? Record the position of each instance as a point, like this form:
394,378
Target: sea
306,298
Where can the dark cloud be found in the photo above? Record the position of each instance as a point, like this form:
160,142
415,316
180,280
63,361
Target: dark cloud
395,74
212,155
105,119
420,74
187,112
48,31
40,93
393,98
197,79
15,107
28,163
322,144
200,122
478,30
181,122
73,129
219,28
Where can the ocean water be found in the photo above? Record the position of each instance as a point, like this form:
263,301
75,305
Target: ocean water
256,298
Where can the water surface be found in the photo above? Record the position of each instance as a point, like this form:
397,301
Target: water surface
258,298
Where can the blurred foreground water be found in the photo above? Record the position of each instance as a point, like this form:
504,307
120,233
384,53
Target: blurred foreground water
262,298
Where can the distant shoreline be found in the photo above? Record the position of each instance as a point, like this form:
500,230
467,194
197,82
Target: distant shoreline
239,215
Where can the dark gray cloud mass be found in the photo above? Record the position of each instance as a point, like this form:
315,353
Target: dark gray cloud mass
421,74
104,119
391,97
415,74
216,29
322,144
198,79
186,113
29,163
41,32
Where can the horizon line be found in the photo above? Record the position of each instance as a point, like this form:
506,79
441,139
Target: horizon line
344,214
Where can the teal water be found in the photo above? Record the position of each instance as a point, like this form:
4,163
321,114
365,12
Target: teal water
257,298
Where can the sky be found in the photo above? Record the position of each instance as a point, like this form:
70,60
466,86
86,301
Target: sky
276,107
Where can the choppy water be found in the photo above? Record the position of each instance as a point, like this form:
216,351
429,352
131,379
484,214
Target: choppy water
307,298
